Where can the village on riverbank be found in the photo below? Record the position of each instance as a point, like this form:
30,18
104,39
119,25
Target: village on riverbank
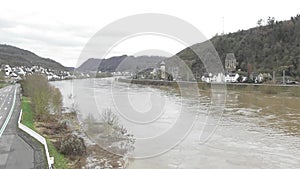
18,72
229,76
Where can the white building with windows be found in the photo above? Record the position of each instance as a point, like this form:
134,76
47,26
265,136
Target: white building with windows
220,78
7,70
231,78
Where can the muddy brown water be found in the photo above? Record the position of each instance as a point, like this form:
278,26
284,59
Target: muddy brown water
256,130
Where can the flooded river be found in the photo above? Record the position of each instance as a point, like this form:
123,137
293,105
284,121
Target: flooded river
256,130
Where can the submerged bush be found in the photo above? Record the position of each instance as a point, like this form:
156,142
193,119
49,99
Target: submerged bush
71,145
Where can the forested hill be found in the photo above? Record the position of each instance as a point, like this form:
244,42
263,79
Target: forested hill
120,63
271,47
19,57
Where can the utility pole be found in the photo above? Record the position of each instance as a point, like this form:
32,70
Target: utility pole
283,68
274,80
223,22
283,76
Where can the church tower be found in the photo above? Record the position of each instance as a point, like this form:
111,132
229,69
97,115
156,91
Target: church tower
163,70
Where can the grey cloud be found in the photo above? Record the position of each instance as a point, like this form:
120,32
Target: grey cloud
62,36
58,39
4,23
76,35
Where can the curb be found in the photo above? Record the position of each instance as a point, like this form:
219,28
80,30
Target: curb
38,138
39,156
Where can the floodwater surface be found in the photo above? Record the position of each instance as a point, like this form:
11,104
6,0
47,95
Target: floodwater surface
176,131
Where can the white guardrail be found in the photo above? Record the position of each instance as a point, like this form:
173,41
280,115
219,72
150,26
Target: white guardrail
38,137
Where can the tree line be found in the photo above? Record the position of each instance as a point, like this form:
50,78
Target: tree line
45,98
269,47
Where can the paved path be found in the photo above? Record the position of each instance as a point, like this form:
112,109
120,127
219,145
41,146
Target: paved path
15,153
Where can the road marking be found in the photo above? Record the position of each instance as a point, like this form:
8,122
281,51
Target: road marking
0,117
10,113
4,100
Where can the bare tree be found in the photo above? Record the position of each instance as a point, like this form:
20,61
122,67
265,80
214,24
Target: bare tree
259,22
44,97
111,122
56,100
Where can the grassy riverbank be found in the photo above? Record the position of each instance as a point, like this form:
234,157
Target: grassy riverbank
28,120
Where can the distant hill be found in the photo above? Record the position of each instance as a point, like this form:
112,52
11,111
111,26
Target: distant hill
267,48
89,65
111,64
70,69
120,63
19,57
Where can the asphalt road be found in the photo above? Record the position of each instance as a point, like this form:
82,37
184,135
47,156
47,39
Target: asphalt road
15,153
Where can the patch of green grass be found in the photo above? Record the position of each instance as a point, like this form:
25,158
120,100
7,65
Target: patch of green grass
59,159
3,84
28,120
27,117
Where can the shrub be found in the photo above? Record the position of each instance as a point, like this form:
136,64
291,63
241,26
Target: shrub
71,145
111,122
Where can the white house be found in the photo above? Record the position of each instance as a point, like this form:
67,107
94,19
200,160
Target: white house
7,70
220,78
231,77
208,78
259,78
21,72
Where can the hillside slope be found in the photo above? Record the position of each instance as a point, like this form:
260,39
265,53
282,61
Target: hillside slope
120,63
19,57
89,65
268,48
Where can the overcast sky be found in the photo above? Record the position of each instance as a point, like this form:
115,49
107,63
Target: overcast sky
60,29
